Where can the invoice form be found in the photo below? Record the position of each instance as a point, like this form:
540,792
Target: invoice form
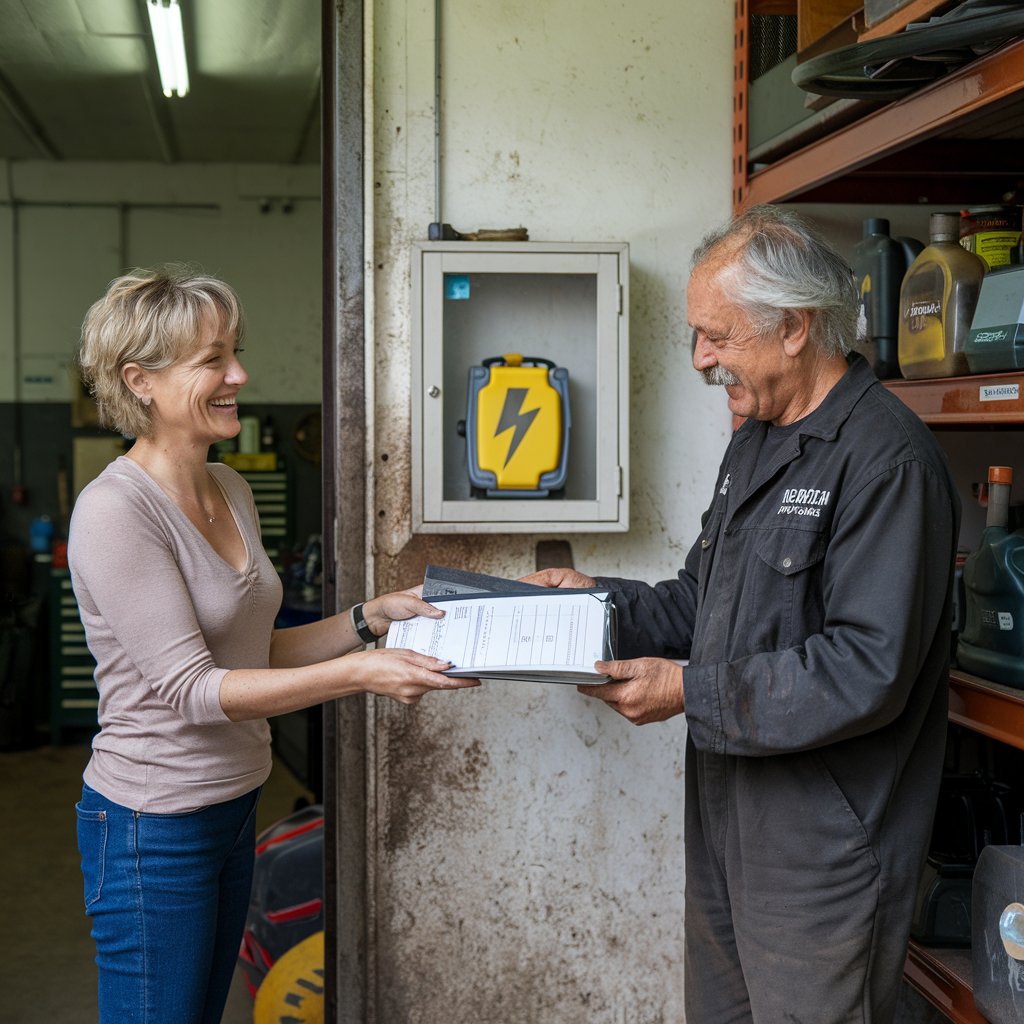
557,635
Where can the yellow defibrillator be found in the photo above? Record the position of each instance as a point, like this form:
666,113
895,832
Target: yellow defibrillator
517,426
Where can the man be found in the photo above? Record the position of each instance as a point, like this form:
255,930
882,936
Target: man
814,609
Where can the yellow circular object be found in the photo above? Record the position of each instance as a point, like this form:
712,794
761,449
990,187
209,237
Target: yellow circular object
293,990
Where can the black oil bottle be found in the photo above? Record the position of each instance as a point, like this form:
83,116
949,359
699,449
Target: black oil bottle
879,264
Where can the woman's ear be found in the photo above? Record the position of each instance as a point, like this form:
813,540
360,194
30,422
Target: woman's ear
796,331
137,382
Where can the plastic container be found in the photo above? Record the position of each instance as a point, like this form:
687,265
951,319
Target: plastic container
996,339
40,534
879,265
248,435
268,434
937,301
992,642
992,232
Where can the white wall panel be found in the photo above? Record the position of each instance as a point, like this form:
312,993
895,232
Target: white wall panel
272,260
527,842
70,244
66,256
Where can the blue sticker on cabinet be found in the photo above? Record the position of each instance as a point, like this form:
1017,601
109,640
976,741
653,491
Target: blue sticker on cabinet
456,286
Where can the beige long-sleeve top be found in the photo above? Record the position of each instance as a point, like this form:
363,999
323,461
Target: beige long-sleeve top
166,618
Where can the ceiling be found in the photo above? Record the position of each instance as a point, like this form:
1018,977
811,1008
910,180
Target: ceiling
78,81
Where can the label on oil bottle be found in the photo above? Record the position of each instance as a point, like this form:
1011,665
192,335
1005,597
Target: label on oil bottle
994,247
923,338
991,232
996,620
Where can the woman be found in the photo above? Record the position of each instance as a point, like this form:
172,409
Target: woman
178,600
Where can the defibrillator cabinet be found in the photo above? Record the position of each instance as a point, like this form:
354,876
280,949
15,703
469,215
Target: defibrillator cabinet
520,389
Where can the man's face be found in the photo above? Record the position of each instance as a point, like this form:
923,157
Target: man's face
728,352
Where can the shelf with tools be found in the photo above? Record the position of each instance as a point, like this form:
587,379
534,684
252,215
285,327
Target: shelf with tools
944,976
953,140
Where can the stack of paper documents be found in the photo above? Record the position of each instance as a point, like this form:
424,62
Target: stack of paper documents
519,632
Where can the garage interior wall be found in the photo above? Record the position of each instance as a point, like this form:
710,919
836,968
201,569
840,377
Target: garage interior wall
526,843
67,229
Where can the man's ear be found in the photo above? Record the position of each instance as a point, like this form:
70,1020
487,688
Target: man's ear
796,331
136,380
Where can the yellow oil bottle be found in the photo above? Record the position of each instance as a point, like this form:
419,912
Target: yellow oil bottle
937,300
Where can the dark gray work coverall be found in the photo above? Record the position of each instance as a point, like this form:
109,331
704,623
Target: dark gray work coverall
815,612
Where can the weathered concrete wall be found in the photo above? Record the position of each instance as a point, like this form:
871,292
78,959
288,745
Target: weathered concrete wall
527,842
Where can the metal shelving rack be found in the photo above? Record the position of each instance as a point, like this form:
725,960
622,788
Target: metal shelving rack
943,976
927,145
924,147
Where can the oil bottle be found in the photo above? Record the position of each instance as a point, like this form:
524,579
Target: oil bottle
879,263
937,300
992,642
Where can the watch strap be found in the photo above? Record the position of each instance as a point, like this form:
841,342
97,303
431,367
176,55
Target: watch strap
362,628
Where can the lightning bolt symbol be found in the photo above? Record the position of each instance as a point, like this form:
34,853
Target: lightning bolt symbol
513,416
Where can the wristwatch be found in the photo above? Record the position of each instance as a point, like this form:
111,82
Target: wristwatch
362,628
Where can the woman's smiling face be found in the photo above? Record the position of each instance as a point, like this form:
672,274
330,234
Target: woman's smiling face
195,398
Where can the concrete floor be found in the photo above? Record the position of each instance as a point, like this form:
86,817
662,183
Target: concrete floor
47,974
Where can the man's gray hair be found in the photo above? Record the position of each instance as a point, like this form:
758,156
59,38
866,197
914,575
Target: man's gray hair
773,262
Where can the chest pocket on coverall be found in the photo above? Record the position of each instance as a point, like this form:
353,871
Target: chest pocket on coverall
786,591
708,538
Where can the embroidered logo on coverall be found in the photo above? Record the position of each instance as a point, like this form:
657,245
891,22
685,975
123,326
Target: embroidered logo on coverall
803,501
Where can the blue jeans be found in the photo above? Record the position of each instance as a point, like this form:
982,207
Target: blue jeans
168,896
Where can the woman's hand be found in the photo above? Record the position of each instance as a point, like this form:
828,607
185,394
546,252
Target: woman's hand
402,675
381,611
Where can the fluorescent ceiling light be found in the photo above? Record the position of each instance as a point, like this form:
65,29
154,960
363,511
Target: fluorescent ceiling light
169,41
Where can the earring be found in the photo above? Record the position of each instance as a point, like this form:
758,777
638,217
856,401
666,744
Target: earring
145,399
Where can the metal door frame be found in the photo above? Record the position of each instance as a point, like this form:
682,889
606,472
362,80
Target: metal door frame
346,959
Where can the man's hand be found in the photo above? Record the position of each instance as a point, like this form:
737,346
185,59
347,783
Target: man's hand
380,612
559,578
644,690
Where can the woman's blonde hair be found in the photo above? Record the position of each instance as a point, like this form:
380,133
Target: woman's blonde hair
153,318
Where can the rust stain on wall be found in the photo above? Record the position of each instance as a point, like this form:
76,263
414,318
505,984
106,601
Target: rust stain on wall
505,881
415,760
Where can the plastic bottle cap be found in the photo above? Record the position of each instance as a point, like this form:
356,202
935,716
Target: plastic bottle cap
1000,474
944,227
876,226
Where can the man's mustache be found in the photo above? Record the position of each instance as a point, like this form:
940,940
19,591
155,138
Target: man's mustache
719,375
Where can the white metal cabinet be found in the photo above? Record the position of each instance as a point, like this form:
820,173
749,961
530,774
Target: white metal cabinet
567,302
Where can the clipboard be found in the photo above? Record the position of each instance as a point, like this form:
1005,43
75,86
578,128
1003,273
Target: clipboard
539,635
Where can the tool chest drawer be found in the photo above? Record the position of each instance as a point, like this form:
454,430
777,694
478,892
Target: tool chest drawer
271,490
74,701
